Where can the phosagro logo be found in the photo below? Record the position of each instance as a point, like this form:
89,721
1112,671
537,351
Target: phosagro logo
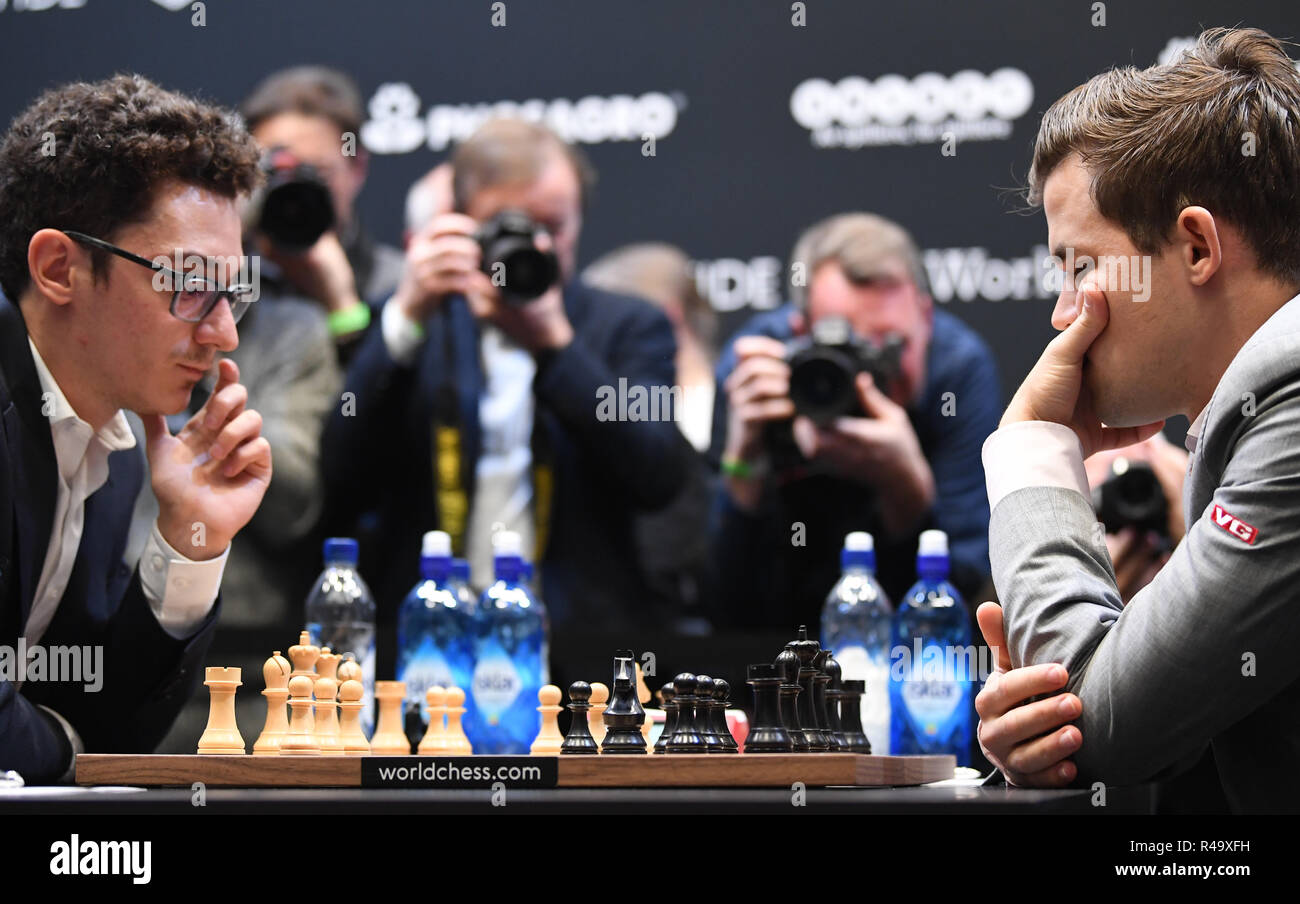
102,858
893,109
396,127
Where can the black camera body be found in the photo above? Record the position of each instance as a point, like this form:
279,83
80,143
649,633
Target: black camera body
294,208
824,366
512,260
1131,496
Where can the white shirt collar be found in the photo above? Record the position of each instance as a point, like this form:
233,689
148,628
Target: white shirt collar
114,436
1194,431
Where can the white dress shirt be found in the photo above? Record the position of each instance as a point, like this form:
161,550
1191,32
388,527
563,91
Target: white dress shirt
180,591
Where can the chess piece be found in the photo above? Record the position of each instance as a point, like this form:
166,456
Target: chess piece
624,716
599,699
670,716
350,669
326,718
327,664
389,739
807,649
787,667
456,743
303,656
704,714
686,737
350,705
548,739
222,734
767,734
300,739
435,737
851,691
820,681
275,672
579,740
831,692
718,715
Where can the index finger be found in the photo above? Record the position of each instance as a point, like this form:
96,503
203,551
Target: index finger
752,346
227,373
450,224
1018,685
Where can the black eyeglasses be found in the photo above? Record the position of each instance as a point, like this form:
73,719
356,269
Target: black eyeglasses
194,296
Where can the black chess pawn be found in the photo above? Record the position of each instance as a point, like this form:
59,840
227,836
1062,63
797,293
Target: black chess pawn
579,739
832,692
704,714
686,737
851,691
670,716
788,691
721,695
820,703
807,650
767,734
624,715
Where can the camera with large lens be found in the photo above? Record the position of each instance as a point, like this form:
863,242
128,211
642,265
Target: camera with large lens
825,364
1131,496
293,209
512,259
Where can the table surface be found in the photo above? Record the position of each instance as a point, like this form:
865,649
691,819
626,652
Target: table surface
925,800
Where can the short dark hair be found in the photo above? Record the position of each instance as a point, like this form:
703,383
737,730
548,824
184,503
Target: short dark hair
89,156
1218,127
309,90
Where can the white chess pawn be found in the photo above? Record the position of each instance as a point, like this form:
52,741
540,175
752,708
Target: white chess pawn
222,734
301,737
456,741
354,739
596,715
549,738
435,737
326,718
275,671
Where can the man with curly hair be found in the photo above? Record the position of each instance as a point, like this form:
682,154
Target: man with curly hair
100,184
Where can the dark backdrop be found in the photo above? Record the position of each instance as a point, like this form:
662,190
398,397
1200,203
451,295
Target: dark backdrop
734,175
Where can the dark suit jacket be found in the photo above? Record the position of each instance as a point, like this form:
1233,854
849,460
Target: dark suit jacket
147,674
378,460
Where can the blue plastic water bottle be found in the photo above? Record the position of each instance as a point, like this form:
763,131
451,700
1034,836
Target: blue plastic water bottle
856,625
510,664
435,633
341,615
934,663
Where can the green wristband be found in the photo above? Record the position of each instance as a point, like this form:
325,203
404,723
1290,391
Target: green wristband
734,467
352,319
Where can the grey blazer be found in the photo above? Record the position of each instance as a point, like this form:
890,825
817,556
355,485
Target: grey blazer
1209,651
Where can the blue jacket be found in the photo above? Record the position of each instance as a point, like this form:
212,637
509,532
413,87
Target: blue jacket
378,459
765,580
147,674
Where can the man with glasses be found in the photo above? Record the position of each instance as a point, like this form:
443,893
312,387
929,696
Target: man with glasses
99,184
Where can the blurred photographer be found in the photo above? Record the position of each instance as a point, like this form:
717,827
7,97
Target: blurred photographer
476,402
856,407
1138,494
307,120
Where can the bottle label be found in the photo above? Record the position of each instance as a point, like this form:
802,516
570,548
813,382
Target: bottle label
495,685
427,668
930,702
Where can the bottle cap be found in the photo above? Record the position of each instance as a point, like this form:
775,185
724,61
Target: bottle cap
933,543
436,543
861,541
341,549
507,543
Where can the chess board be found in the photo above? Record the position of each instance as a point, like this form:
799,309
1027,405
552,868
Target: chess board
601,771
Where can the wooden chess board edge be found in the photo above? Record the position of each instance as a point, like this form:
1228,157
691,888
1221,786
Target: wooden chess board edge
603,771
